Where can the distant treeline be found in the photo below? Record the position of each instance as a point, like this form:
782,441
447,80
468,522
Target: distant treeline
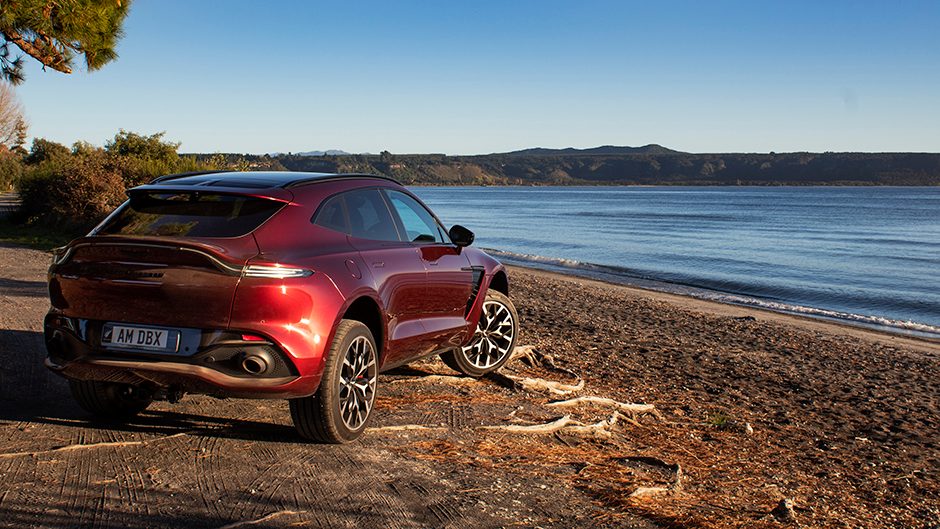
547,167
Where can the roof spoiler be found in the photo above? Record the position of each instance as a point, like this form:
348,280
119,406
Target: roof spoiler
174,176
338,176
271,193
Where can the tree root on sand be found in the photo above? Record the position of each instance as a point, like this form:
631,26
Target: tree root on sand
549,427
261,520
625,407
535,358
603,428
540,384
526,353
406,428
433,379
674,468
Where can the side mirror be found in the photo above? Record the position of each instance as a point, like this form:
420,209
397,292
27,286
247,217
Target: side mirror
460,236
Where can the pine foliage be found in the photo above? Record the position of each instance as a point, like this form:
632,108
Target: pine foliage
56,32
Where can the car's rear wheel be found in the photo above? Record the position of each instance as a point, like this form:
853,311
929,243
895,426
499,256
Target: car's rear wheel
493,340
341,408
108,400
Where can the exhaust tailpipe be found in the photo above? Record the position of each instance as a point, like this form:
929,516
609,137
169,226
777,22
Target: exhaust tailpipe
257,363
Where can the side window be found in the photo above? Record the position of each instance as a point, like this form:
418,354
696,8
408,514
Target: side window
332,215
369,217
418,223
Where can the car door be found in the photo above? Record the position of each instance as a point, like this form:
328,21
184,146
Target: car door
449,276
396,267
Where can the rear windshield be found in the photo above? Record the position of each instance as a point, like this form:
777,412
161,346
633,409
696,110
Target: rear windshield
190,215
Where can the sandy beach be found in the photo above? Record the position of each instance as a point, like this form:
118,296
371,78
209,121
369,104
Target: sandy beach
690,414
757,406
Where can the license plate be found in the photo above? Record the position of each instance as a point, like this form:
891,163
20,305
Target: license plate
148,338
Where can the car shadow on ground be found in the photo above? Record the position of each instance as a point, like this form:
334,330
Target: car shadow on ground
17,287
162,423
31,393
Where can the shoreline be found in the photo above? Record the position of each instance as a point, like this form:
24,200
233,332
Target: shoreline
923,344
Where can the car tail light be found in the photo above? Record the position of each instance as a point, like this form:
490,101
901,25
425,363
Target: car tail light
275,271
60,255
252,338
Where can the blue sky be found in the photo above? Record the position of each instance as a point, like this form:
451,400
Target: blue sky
481,76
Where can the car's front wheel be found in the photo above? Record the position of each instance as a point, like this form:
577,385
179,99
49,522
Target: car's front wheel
493,340
341,408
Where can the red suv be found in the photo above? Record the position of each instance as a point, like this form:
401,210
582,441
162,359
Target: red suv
299,286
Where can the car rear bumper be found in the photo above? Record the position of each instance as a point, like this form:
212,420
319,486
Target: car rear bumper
209,371
188,378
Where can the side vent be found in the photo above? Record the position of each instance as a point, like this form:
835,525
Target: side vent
477,282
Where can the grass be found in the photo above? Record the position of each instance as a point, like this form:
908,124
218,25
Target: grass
719,420
38,237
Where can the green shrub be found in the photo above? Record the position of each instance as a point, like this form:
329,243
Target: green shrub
44,150
136,170
135,145
77,191
77,188
140,158
11,170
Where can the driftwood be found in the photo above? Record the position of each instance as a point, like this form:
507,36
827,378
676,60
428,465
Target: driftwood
525,352
432,379
647,491
405,428
601,428
535,358
567,424
675,468
540,384
261,520
509,381
625,407
549,427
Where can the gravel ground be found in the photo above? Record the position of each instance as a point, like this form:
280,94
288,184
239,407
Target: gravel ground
749,408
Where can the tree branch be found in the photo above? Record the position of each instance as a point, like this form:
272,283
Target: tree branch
54,59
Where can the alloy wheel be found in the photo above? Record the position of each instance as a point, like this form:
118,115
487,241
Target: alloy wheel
357,383
493,337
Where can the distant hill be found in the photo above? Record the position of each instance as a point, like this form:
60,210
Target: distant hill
328,152
609,165
603,150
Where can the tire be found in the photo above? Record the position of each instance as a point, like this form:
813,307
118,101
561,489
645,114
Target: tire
109,401
340,410
492,342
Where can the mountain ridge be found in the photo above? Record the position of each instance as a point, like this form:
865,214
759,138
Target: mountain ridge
606,150
328,152
596,167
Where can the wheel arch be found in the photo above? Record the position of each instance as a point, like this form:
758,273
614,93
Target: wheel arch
366,310
500,282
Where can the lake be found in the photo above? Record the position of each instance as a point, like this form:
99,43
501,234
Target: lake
863,255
